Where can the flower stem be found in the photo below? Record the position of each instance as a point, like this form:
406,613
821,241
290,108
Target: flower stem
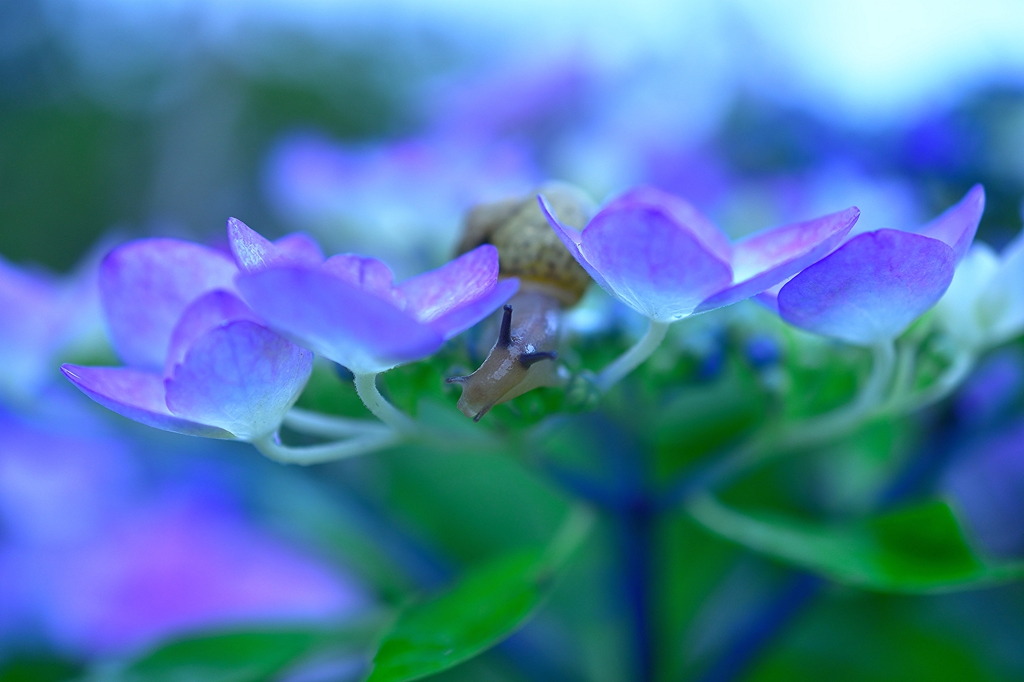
815,430
327,452
632,358
366,388
328,426
845,419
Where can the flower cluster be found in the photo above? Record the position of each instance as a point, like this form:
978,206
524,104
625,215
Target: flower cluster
220,345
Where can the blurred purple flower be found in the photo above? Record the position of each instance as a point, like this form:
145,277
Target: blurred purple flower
659,255
876,284
349,310
40,316
199,361
176,566
986,479
58,487
402,198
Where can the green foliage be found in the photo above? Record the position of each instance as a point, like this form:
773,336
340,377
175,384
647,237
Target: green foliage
38,670
488,604
246,656
918,549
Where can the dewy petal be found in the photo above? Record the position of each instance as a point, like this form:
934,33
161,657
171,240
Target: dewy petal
1002,302
368,274
455,284
871,288
146,285
253,252
205,313
651,263
763,260
571,239
138,395
959,223
241,377
336,319
459,320
684,213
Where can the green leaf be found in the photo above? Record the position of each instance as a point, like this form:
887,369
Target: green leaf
917,549
489,604
249,656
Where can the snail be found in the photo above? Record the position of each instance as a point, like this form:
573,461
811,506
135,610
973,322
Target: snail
550,280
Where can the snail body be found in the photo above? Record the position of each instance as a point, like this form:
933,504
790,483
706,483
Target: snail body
550,280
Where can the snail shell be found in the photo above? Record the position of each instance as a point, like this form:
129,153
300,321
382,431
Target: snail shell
550,280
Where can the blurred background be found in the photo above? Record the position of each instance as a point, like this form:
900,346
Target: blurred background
374,126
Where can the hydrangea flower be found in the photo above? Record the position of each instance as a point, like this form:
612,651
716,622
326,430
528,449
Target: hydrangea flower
869,290
984,305
42,315
348,309
659,255
396,198
200,362
178,565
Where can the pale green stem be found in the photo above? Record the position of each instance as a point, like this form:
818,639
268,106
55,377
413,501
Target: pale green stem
570,534
957,371
366,388
632,358
815,430
326,452
845,419
328,426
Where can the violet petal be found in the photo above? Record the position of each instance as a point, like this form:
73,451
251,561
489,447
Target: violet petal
241,377
455,284
571,239
650,262
136,394
456,321
871,288
147,284
684,213
369,274
958,224
205,313
763,260
336,319
253,252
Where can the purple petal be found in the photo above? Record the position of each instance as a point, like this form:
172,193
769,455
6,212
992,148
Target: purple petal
338,320
455,284
135,394
650,262
146,286
687,215
368,274
459,320
765,259
253,252
241,377
571,239
959,223
205,313
871,288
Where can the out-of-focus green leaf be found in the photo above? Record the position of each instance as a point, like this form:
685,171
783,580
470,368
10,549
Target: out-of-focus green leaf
485,607
38,670
248,656
853,637
918,549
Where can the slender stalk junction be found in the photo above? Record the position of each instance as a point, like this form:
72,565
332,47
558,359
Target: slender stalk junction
366,387
632,358
327,452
